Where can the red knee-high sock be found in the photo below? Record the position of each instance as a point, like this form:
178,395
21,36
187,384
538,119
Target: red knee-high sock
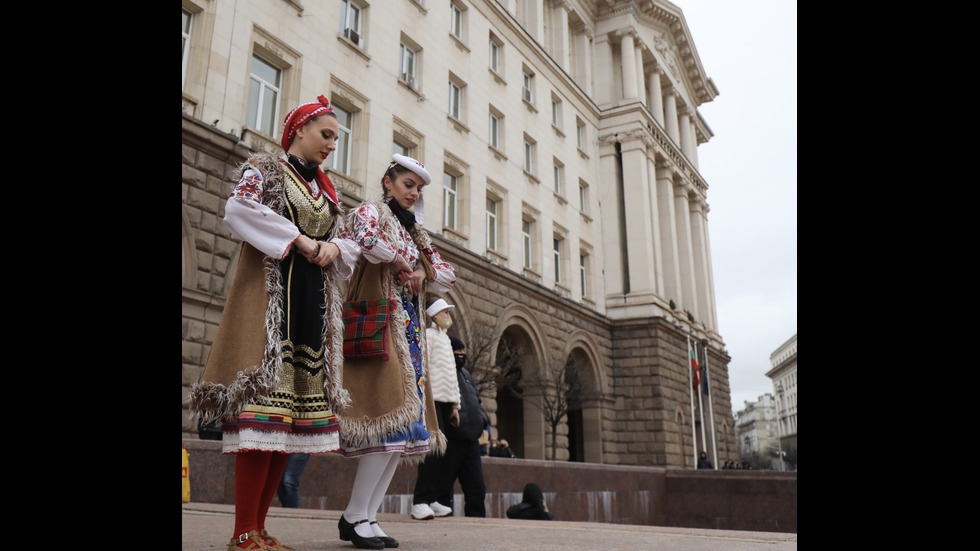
251,471
277,466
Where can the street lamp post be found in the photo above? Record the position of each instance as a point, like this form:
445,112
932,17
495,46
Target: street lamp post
779,437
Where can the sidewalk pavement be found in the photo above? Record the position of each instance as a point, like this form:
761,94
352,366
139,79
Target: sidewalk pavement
208,527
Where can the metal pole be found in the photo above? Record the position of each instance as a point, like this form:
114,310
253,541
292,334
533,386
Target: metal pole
779,421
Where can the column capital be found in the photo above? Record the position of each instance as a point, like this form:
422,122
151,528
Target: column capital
624,32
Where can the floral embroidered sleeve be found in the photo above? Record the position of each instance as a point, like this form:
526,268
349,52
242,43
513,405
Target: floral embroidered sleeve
249,220
367,234
343,265
445,274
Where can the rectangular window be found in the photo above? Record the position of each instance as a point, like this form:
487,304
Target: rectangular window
580,135
406,66
450,193
455,21
494,137
556,246
185,39
528,157
582,274
455,100
491,224
527,88
583,197
526,242
559,178
400,149
494,56
264,87
339,160
556,113
350,21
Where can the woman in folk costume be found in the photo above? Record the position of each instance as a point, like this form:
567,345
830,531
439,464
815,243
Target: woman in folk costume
273,374
392,415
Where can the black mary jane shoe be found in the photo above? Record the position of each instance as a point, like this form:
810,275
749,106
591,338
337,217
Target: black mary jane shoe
347,533
389,542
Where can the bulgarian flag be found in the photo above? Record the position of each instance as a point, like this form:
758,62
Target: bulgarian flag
695,367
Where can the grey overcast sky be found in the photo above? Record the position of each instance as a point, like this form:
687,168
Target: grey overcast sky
748,49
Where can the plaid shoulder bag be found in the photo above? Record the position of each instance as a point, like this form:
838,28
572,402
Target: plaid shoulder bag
367,314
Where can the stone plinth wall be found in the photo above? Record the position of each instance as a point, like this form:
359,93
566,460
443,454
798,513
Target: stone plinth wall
582,492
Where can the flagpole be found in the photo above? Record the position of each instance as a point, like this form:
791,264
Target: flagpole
711,415
704,441
690,386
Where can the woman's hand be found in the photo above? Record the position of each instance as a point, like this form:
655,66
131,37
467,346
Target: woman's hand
416,280
321,253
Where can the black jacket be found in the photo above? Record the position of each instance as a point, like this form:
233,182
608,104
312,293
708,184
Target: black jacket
472,418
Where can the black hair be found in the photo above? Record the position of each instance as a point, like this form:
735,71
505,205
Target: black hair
457,344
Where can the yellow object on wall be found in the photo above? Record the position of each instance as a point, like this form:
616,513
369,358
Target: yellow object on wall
185,495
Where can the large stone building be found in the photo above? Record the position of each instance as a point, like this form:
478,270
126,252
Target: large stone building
562,136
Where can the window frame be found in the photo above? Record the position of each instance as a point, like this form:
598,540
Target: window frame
556,246
558,171
529,154
345,139
527,86
492,221
407,55
527,243
455,100
263,85
450,200
350,9
456,20
186,31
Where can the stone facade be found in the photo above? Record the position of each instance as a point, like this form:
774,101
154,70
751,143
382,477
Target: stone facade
628,213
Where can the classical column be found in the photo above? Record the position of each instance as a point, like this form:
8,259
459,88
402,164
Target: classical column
706,288
668,232
562,37
684,125
654,213
656,102
685,249
534,22
693,157
583,55
670,115
641,83
613,249
638,217
604,88
701,308
628,64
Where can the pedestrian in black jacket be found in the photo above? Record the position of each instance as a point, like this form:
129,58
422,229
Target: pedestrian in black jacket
463,459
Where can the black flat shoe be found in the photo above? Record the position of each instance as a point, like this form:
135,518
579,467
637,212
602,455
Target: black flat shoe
389,542
345,528
347,533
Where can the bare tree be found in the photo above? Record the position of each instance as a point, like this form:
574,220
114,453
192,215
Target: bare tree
560,389
490,370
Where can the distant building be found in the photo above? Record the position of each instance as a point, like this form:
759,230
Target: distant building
756,432
783,375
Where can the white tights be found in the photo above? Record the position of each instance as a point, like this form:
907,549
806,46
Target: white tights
374,474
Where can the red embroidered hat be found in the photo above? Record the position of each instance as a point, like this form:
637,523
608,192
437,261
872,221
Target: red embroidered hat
300,115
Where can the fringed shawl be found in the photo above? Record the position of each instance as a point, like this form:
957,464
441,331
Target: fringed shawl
246,357
384,396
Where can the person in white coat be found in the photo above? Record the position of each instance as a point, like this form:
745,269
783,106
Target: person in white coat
441,366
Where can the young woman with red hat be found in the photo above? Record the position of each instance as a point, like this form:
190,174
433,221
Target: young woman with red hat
273,375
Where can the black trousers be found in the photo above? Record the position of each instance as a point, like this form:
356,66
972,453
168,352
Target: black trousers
427,478
463,461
